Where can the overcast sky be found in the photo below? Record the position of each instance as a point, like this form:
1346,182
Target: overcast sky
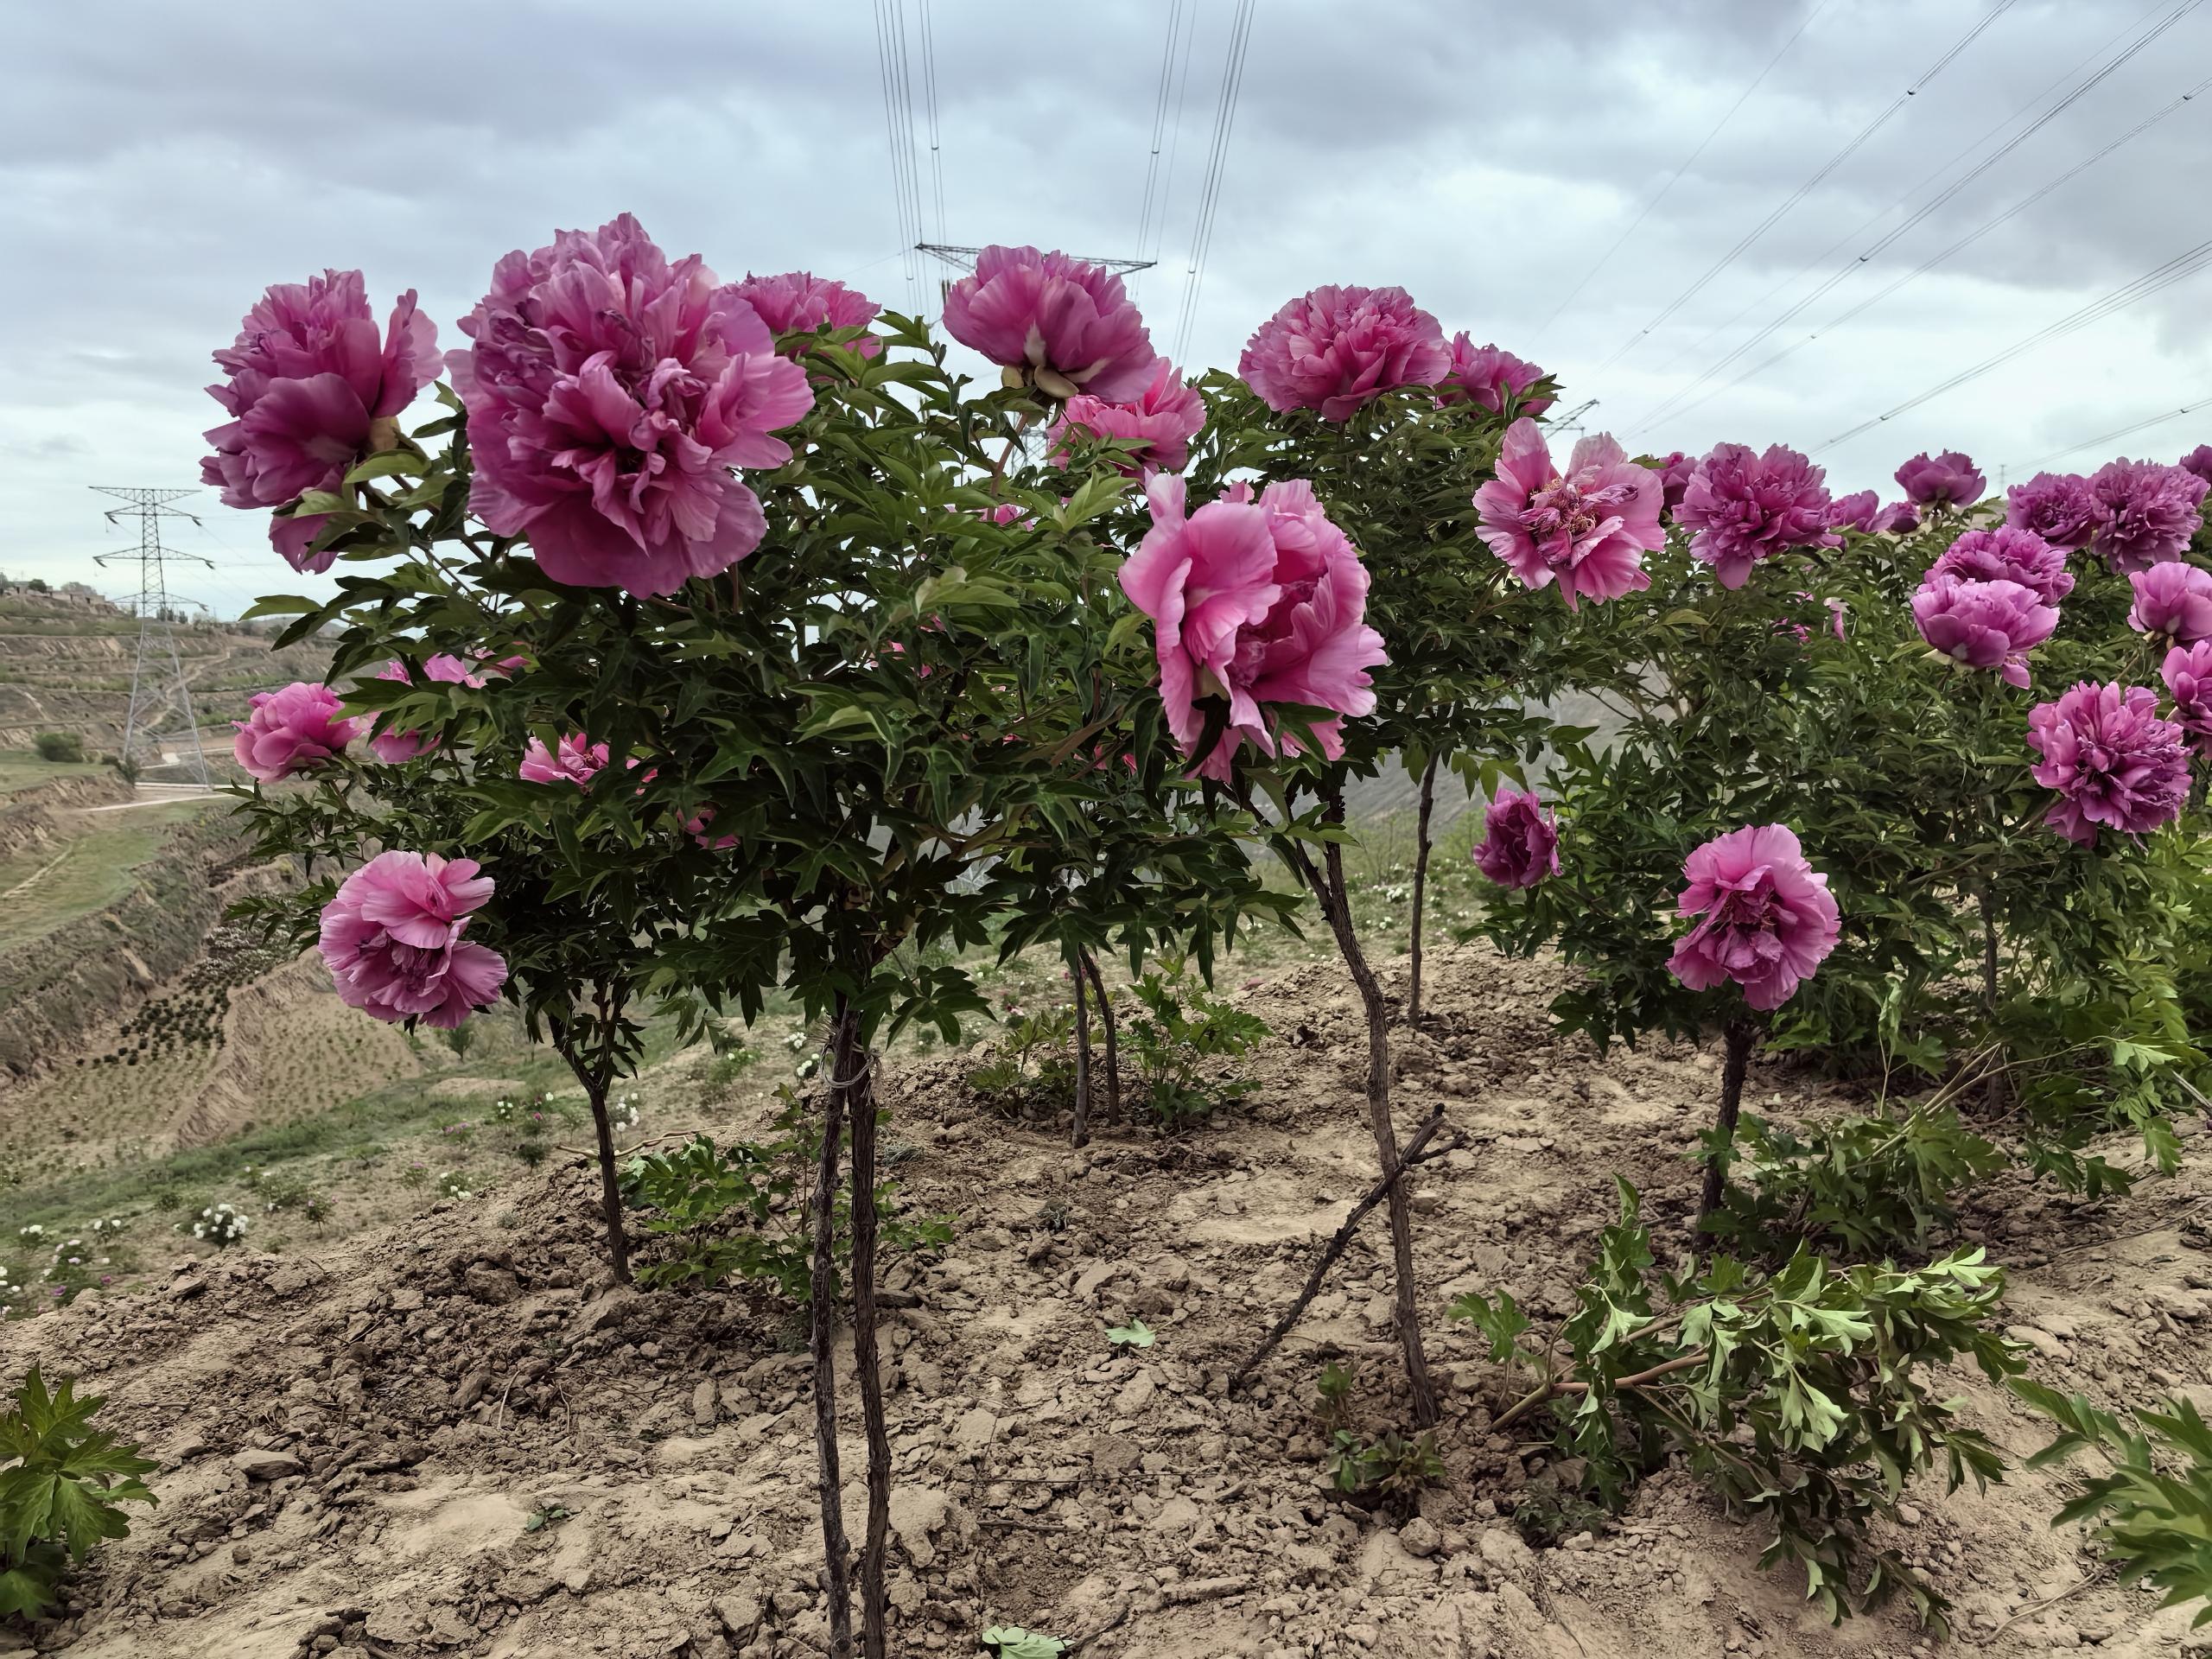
160,164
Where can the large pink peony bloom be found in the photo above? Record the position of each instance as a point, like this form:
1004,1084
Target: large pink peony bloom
1744,507
2198,460
308,373
2173,600
1336,348
574,759
1163,418
1253,603
1490,377
2006,554
391,938
609,394
2061,507
287,731
1062,324
1899,518
798,302
1854,511
2112,760
2188,674
1766,919
1674,473
1587,528
1946,480
2151,512
1520,843
1984,624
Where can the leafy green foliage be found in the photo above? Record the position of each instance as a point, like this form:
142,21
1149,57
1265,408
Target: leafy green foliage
1392,1469
1135,1334
1334,1386
1176,1046
61,747
1033,1065
737,1210
1012,1642
59,1493
2150,1511
1806,1396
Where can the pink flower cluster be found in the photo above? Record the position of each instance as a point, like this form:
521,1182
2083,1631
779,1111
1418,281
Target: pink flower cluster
291,730
1742,508
1161,420
308,376
1336,348
1520,843
798,302
1253,603
609,394
2173,601
1490,377
1586,528
2113,760
392,938
1765,916
1056,323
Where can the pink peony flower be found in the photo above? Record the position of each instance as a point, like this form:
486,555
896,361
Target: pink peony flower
696,826
2173,600
1766,918
1675,475
797,302
1520,843
1946,480
2061,507
2007,553
391,938
1336,348
2151,512
1854,511
308,373
1899,518
1253,603
2112,760
1490,379
2188,674
609,394
287,731
1984,624
1744,508
1163,418
1588,529
2199,461
575,759
1059,324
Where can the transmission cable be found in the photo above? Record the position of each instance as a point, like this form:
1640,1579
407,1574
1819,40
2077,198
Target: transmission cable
1790,201
1232,88
1159,125
2145,424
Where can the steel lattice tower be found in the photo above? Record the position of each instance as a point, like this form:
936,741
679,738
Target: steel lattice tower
156,629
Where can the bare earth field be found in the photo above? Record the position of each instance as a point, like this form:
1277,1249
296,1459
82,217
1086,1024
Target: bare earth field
438,1433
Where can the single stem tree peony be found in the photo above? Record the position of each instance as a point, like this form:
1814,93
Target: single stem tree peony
292,730
1336,349
799,303
1586,528
1052,322
1855,512
391,938
2173,603
1946,480
2115,763
1742,508
574,758
1490,377
2008,554
1983,624
2062,508
1520,843
2188,674
1160,421
2151,512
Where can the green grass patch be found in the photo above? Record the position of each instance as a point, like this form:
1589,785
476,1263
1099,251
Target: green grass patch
91,870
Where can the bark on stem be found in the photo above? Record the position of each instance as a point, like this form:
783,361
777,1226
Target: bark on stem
1742,1036
1079,1129
1329,890
852,1076
822,1326
1420,887
597,1075
1108,1026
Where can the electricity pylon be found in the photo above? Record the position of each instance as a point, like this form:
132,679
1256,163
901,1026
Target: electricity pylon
156,625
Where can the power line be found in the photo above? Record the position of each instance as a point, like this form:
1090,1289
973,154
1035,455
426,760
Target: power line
2158,279
2143,425
1674,404
1174,140
1232,87
1781,209
1159,123
896,84
1676,177
929,83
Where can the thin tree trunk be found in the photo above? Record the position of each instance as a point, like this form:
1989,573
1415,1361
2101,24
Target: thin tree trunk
822,1326
1329,891
1989,983
852,1076
1420,885
1108,1027
1742,1036
1079,1131
595,1079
